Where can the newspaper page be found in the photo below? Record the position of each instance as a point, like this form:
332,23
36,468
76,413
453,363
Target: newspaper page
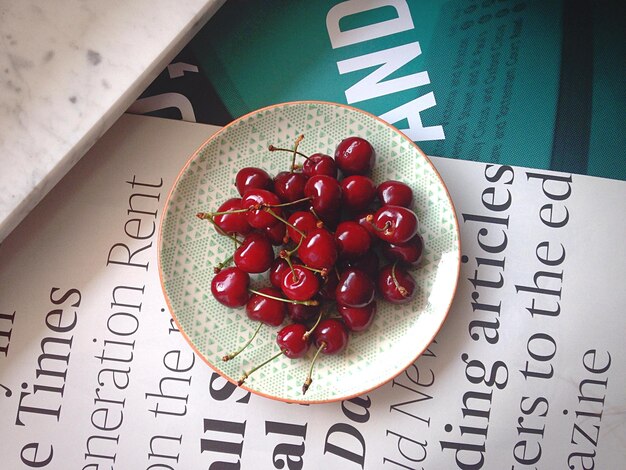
528,371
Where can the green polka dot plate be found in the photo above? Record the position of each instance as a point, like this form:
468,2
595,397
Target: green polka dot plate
189,248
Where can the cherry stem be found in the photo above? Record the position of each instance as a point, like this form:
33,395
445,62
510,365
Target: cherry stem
402,290
309,380
295,151
222,264
288,259
317,322
370,219
292,203
321,272
248,374
230,356
208,216
274,214
289,301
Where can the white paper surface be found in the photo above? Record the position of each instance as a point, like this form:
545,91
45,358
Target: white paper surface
521,376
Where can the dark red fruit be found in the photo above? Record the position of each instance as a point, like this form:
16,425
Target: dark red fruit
258,217
396,285
299,283
301,313
277,272
230,287
266,310
358,319
357,192
355,156
354,289
303,221
363,221
275,234
252,178
395,224
289,186
325,193
327,291
235,222
395,193
320,164
333,334
409,252
292,341
319,250
353,241
368,263
255,254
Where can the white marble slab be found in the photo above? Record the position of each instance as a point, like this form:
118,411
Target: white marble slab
68,70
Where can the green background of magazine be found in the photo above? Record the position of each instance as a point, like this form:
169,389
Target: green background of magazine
494,68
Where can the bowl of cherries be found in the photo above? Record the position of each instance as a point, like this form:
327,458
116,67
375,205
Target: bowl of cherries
309,252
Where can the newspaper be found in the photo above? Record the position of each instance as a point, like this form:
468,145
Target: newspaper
527,372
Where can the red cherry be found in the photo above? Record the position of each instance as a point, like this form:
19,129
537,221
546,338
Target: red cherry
395,224
252,178
292,341
255,254
352,239
266,310
396,285
363,220
320,164
319,250
354,289
358,319
235,222
325,193
303,221
358,192
289,186
409,252
230,287
332,334
301,313
277,270
355,156
257,217
275,234
327,291
368,263
395,193
299,283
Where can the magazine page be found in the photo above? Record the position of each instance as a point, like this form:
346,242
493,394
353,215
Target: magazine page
528,370
482,81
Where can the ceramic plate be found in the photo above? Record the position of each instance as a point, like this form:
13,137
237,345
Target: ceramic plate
189,248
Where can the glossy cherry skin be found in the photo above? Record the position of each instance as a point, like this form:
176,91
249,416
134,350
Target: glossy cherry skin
355,156
255,254
230,287
368,263
353,241
325,193
329,285
409,252
320,164
289,186
333,334
259,218
395,224
300,283
388,288
301,313
304,221
292,342
357,319
319,249
362,220
354,289
357,192
235,222
275,234
277,271
395,193
252,178
269,311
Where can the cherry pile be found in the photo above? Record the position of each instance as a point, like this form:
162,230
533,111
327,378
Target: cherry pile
319,238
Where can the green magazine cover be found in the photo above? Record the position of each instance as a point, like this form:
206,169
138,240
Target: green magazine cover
535,83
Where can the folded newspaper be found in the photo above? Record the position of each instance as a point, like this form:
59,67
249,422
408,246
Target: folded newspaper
529,370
